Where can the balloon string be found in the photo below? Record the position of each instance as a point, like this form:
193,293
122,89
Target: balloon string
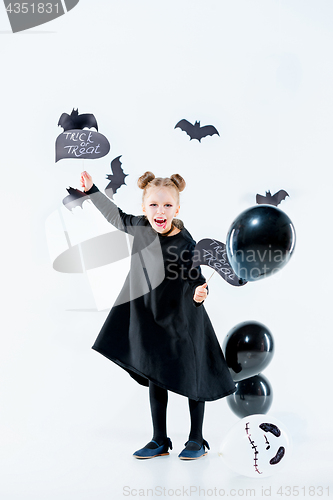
211,276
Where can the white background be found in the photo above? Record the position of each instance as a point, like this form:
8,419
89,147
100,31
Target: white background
261,72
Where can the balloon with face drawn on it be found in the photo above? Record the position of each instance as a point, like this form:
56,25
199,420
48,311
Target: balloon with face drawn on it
256,446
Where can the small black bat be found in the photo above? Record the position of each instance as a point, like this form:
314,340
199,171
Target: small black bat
76,121
195,131
272,200
75,198
117,177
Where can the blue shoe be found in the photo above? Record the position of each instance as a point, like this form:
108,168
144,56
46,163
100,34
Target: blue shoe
187,454
155,452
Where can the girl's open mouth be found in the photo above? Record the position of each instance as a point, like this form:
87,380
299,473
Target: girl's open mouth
160,222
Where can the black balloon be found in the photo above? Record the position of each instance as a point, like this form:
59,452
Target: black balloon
253,395
259,242
248,349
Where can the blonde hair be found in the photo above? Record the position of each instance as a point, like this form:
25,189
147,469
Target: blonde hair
148,180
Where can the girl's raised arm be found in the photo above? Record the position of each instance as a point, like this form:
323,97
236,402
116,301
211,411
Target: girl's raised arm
112,213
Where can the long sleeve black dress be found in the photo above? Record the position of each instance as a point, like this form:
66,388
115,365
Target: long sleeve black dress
155,330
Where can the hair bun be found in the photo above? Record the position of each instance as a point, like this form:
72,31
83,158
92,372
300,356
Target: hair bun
179,181
145,179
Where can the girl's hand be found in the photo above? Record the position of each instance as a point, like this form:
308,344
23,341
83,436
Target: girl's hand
200,293
86,181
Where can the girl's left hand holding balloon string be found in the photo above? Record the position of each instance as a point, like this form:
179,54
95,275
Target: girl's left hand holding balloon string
200,293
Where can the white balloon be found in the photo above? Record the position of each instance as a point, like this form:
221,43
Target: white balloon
256,446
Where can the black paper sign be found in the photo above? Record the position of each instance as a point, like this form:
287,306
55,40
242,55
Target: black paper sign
78,142
213,253
84,144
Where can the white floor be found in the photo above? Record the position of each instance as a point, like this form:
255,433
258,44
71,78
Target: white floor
71,420
86,460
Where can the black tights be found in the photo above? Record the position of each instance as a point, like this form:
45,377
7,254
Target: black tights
158,398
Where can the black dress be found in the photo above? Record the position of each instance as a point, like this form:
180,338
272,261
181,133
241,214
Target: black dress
155,330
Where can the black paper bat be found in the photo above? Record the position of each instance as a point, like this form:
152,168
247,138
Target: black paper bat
213,253
76,121
272,200
195,131
75,198
117,177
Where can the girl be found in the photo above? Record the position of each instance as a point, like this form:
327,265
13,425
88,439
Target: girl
158,329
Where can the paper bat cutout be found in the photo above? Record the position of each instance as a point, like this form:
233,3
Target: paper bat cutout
75,198
117,177
76,121
213,253
195,131
272,200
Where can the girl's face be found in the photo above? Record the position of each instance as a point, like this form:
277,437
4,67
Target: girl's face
160,207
